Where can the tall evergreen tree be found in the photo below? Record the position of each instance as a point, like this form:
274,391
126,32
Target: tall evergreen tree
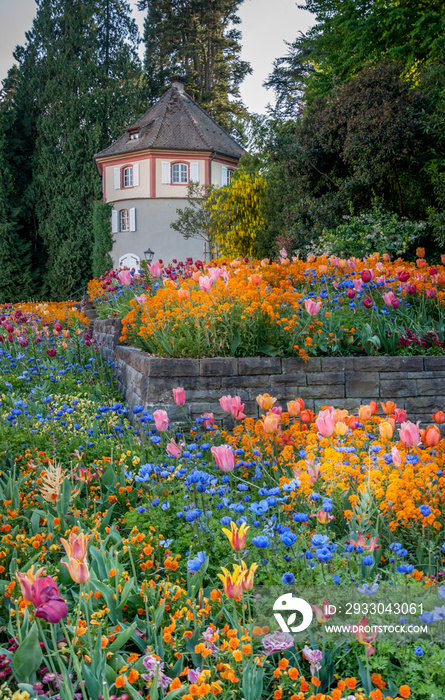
79,84
199,39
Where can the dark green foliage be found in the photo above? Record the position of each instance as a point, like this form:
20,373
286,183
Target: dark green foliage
102,239
350,34
79,83
197,39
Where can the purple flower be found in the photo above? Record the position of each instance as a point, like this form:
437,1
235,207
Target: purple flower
193,675
314,657
278,641
152,664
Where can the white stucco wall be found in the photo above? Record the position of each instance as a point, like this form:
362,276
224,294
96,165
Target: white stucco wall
153,218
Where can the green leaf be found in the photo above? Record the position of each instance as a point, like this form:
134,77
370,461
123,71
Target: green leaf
122,638
125,593
92,683
28,657
236,342
134,694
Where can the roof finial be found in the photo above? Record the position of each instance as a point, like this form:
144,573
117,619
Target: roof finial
177,82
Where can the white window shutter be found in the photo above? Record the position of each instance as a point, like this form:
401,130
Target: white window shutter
223,175
165,172
114,219
133,219
194,172
117,178
136,175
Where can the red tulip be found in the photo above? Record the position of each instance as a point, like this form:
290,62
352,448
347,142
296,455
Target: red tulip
439,417
403,276
367,302
367,275
51,352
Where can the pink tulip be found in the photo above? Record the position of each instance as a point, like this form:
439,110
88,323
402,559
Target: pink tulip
49,604
125,278
323,517
173,449
141,299
312,307
325,422
205,283
388,298
396,457
26,580
214,273
179,396
224,457
283,253
226,403
400,415
410,434
358,284
360,632
161,420
431,293
208,419
155,269
276,409
237,408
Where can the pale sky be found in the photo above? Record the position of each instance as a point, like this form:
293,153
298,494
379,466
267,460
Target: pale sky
266,24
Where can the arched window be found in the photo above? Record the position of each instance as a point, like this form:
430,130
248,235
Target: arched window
180,173
124,219
127,176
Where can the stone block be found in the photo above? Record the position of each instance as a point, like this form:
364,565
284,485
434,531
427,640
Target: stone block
234,384
350,405
290,379
435,363
397,375
218,366
173,367
423,404
290,365
259,365
337,364
394,389
362,385
318,391
387,363
431,387
326,378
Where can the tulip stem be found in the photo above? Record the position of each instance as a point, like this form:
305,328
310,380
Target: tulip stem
75,660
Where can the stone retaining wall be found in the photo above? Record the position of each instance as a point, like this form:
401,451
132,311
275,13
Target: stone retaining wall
414,383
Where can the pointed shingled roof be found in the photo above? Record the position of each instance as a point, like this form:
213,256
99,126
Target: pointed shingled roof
175,122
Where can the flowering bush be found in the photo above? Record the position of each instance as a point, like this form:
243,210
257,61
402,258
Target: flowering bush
326,306
133,553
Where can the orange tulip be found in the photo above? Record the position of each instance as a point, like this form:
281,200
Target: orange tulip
183,294
364,413
237,536
271,421
420,252
306,416
439,417
255,280
386,430
373,405
431,436
265,402
295,407
341,428
388,407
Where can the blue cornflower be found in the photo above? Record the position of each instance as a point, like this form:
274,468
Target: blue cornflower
319,540
303,518
194,565
368,560
405,569
288,579
425,510
419,651
261,542
288,539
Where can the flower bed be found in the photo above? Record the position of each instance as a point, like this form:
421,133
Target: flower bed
286,308
161,548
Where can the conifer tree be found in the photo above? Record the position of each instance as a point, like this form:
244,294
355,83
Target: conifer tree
80,78
198,39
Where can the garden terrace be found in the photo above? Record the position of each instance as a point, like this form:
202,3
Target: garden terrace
415,383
